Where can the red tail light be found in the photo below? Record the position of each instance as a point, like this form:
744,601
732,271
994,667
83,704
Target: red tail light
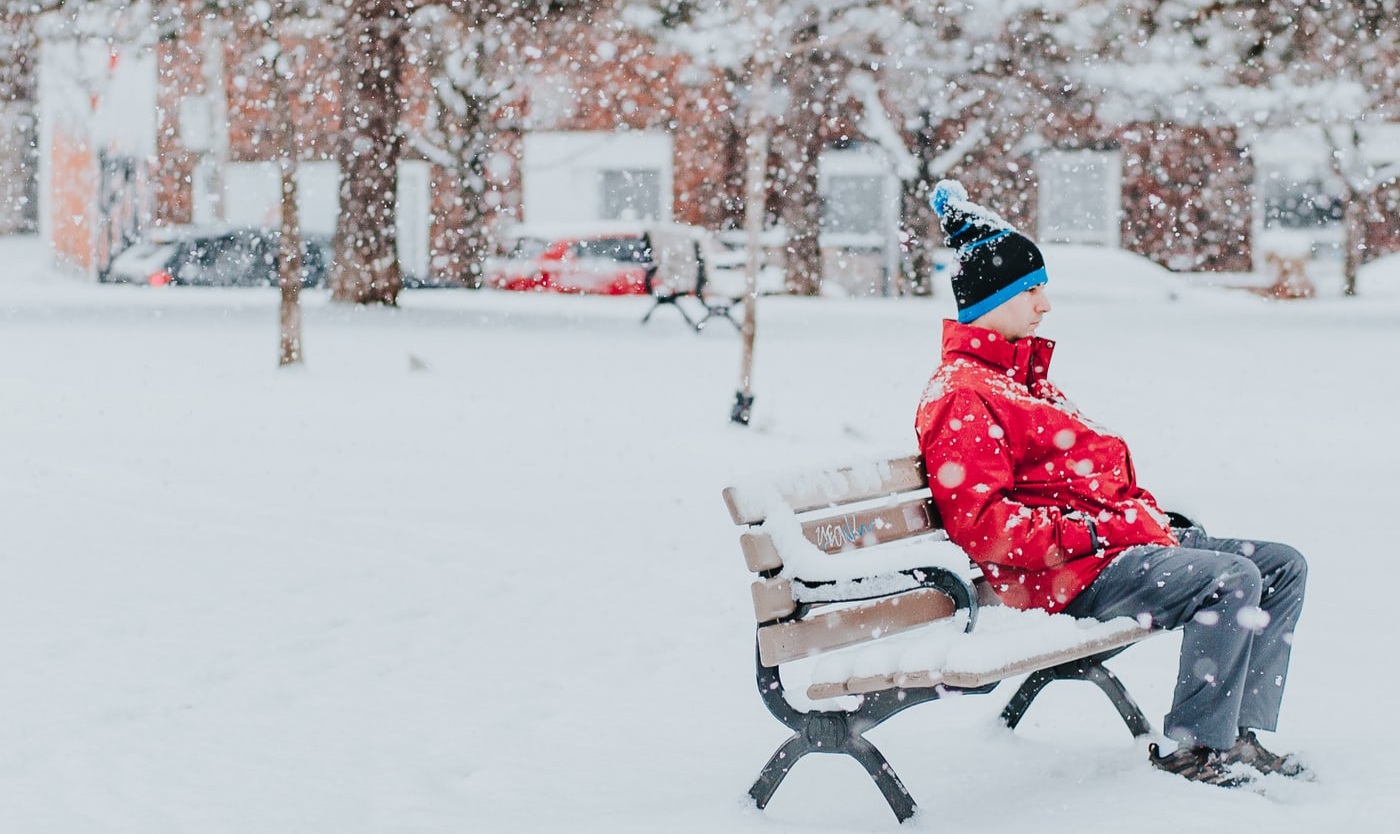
161,278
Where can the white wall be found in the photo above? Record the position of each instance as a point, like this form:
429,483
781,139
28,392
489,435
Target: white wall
1379,142
563,171
1081,197
862,262
413,216
252,197
97,91
252,193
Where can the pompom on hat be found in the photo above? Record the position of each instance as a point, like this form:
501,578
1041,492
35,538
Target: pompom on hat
996,262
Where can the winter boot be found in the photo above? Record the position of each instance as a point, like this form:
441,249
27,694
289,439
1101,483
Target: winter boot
1199,764
1248,751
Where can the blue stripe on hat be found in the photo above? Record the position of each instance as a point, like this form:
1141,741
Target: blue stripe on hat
986,240
1003,295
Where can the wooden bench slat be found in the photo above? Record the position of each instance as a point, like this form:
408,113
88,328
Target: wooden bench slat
772,599
968,680
852,531
760,554
873,683
821,691
833,487
867,528
965,673
869,683
783,642
913,680
953,677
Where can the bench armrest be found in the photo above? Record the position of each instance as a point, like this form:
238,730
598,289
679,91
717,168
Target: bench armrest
1181,521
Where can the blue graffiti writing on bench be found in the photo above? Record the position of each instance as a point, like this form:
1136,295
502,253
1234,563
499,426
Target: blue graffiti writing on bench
833,536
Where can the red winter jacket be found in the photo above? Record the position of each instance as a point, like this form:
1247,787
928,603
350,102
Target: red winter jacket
1017,472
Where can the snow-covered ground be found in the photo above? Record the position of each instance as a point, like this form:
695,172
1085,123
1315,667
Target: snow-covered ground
502,594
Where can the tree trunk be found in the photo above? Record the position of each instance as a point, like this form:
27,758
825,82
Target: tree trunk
755,207
799,146
18,183
289,231
473,245
802,214
918,231
464,245
289,245
1354,218
366,241
918,223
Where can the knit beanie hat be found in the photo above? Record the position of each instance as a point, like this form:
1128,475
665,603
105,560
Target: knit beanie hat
996,261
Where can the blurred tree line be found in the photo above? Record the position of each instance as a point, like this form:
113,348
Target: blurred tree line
938,87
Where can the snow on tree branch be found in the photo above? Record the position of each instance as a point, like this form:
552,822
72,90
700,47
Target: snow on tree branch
875,123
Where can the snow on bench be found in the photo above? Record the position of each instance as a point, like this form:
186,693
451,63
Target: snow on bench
1006,643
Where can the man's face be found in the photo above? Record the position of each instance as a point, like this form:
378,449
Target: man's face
1018,317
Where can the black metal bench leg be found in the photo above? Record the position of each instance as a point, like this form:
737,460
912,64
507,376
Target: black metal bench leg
688,320
1093,672
1122,701
719,311
777,769
854,745
879,769
674,301
1021,701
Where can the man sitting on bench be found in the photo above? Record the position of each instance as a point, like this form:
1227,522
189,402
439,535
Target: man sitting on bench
1046,502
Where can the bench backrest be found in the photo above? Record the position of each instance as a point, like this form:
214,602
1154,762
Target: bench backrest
838,510
677,263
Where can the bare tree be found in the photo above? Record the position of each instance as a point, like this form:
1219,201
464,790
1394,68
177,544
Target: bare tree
994,81
1254,66
281,67
758,44
1361,180
375,38
277,35
18,151
472,54
366,267
798,143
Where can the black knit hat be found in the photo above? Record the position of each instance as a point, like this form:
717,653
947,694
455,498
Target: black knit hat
996,261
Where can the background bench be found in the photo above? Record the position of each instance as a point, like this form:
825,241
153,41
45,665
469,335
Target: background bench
854,569
678,269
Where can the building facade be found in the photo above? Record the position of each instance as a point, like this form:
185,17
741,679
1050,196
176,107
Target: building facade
142,129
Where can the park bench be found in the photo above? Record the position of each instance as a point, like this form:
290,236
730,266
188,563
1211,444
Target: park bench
678,270
858,582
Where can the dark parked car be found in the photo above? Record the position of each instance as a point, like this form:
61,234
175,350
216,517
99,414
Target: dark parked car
244,257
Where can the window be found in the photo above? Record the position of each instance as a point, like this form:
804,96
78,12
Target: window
1299,197
624,249
631,194
579,177
1080,197
413,218
853,204
528,247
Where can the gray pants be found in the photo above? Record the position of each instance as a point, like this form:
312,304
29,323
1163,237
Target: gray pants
1237,603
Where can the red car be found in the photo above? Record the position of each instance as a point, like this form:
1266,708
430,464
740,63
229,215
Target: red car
609,264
